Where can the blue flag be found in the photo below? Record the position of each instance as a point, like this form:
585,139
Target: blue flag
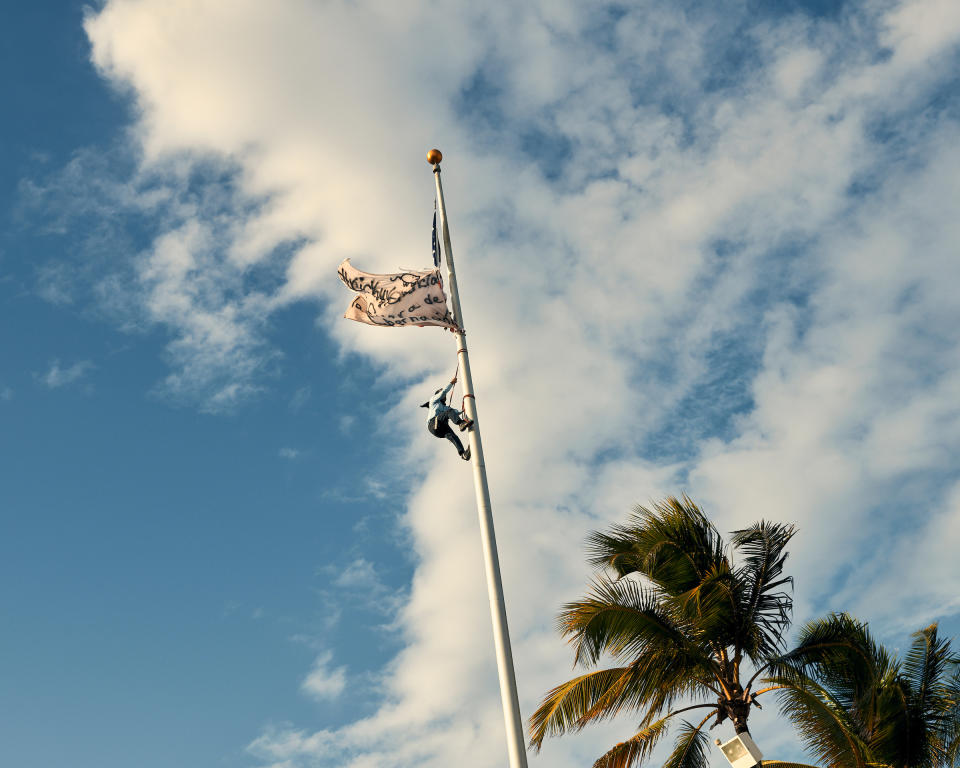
436,245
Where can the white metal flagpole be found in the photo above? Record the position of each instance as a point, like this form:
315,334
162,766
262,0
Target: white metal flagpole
498,612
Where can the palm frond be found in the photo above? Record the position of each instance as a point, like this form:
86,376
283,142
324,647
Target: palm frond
844,687
661,680
708,609
840,654
673,544
931,724
690,750
788,764
635,749
823,725
622,618
766,607
566,707
950,726
951,751
891,729
924,667
840,648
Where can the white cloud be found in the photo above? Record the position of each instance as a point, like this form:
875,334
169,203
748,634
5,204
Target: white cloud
57,377
360,574
360,584
376,489
324,682
218,349
674,274
288,453
53,283
300,398
6,394
185,281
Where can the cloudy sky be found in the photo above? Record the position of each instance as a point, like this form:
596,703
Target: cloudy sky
703,247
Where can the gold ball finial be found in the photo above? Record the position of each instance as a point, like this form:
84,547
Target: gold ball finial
434,157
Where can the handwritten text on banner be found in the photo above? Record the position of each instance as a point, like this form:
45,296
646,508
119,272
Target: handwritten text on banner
397,300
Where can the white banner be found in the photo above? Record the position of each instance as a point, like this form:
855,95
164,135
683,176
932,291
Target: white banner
397,300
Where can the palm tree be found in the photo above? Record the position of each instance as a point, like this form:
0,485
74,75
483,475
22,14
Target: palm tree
681,619
856,705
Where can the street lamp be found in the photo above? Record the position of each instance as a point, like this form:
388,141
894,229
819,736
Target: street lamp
740,751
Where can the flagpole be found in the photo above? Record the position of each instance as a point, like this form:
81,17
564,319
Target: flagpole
498,612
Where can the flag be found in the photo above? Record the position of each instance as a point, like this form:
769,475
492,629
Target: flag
436,245
414,297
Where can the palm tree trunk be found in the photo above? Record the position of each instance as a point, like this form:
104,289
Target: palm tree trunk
738,712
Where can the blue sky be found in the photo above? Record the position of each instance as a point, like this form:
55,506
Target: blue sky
705,248
166,569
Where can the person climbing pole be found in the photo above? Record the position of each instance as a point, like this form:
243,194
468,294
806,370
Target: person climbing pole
442,414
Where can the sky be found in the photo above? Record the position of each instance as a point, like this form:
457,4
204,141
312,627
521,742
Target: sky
703,248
